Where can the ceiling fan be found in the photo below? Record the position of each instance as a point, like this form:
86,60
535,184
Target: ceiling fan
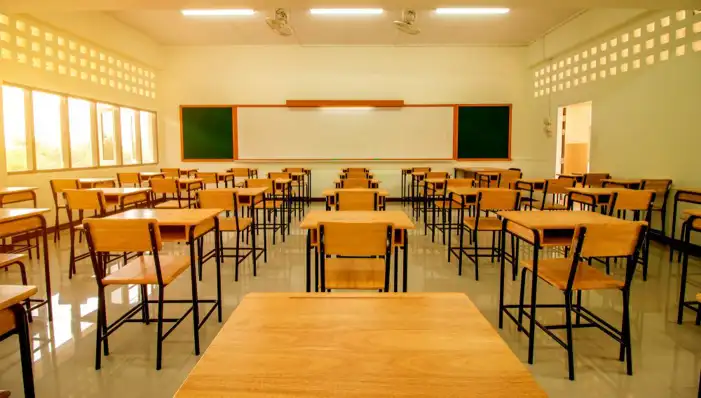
280,24
406,24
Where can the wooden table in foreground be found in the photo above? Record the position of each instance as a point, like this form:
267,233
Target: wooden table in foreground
13,320
358,345
399,220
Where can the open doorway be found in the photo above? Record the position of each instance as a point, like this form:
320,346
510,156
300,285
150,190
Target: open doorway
573,138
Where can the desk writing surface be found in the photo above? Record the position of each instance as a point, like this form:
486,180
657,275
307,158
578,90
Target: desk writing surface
11,214
557,219
623,181
397,218
14,190
332,192
189,180
358,345
467,191
242,191
121,191
596,191
13,294
176,217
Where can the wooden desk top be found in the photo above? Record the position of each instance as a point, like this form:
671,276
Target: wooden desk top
695,191
13,294
94,180
151,173
188,170
557,219
243,191
12,214
225,174
397,218
479,169
596,191
172,217
189,180
469,191
14,190
371,180
532,180
283,180
434,180
332,192
357,346
121,191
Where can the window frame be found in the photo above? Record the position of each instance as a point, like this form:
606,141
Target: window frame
94,133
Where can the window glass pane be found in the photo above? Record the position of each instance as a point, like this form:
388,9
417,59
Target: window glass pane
79,125
128,124
148,141
15,128
106,135
47,130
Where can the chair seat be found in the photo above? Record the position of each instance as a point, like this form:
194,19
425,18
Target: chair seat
556,272
171,204
355,273
269,204
229,224
142,271
550,206
9,258
485,223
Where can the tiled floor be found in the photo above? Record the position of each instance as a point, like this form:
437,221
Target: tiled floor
667,357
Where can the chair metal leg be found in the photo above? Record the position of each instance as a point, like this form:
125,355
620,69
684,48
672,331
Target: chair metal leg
159,341
476,245
568,323
144,302
626,333
236,258
521,296
25,349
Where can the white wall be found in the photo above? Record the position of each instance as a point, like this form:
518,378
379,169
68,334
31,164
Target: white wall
271,75
98,31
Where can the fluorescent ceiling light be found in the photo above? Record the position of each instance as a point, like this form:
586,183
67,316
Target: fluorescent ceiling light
218,12
472,11
346,11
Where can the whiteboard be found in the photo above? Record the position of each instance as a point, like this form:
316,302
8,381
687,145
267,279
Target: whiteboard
345,133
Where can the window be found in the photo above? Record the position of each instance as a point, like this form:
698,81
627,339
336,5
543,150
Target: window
47,130
129,139
15,126
106,134
148,139
80,129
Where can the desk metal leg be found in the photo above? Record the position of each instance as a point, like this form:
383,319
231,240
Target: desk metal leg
674,226
501,275
47,269
25,349
405,261
195,303
308,263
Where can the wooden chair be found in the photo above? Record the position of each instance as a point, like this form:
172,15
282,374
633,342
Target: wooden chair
299,183
129,179
661,188
208,178
556,188
57,188
692,223
356,200
639,203
171,172
355,256
595,180
487,201
446,205
356,174
107,236
165,187
356,170
572,275
507,179
356,183
241,226
81,200
273,204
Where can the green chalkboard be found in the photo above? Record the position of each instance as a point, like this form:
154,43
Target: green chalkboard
484,132
207,133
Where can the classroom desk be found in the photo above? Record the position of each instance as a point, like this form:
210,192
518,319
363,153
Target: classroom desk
399,220
530,185
17,221
146,176
186,225
592,196
692,224
330,195
343,175
405,186
13,320
685,195
433,185
622,183
96,182
226,178
373,183
577,177
188,172
358,345
125,196
540,229
10,195
190,185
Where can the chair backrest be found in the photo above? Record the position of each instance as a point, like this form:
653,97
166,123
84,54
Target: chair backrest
129,178
355,239
437,174
119,235
293,169
421,169
164,185
58,186
356,183
356,174
207,177
261,183
278,174
171,172
594,179
460,182
356,200
497,200
558,185
216,199
85,199
355,169
661,188
240,172
508,178
630,199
